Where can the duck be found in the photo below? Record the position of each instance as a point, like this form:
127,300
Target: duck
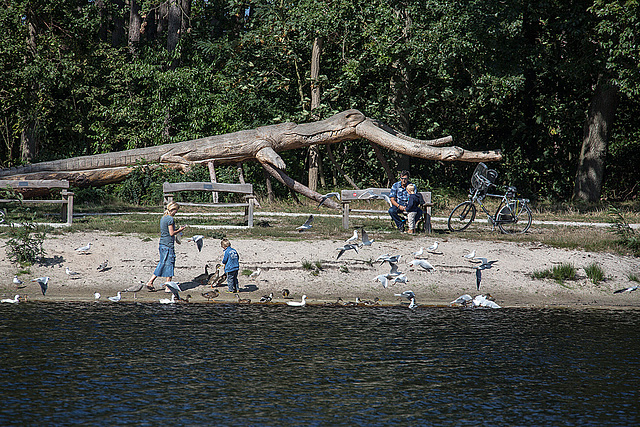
243,300
211,294
285,293
185,300
213,277
267,298
204,277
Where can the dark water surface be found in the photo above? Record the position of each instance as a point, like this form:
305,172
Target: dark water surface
109,364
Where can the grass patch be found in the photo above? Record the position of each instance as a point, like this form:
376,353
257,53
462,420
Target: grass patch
559,273
595,273
344,269
246,272
307,265
633,277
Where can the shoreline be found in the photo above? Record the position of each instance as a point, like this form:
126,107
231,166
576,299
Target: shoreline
294,265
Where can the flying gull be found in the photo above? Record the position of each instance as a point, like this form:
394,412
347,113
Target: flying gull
327,196
484,265
400,279
307,224
346,247
629,289
365,239
198,239
43,282
298,303
174,288
406,294
382,278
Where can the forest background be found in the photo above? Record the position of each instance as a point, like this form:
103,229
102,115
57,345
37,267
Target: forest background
553,84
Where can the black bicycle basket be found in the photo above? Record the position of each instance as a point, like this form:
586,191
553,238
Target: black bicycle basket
483,178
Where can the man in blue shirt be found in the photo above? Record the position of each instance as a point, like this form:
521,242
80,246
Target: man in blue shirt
399,199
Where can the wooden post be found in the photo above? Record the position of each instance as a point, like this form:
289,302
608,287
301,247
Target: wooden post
345,215
212,176
68,195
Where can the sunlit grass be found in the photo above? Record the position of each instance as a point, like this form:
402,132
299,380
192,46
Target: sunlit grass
595,273
559,273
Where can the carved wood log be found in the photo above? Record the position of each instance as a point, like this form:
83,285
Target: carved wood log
261,144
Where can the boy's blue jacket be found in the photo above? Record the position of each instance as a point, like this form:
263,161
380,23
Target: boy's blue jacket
231,260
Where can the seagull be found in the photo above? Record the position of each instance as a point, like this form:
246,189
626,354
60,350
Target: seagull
387,199
174,288
482,301
484,265
629,289
211,294
353,238
345,248
135,288
267,298
418,253
103,266
285,293
116,298
422,264
365,239
394,271
327,196
298,303
243,300
84,249
167,300
368,195
255,274
400,279
17,281
471,255
72,274
390,259
463,300
96,296
382,278
307,224
198,240
43,282
412,303
433,247
15,300
406,294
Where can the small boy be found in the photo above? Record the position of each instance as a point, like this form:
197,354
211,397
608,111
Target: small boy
413,209
231,262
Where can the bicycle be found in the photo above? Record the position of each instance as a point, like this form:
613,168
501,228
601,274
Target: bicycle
512,215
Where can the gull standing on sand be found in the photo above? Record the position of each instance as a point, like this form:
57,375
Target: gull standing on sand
72,274
135,288
96,296
84,249
327,196
406,294
43,282
103,266
471,255
307,224
17,281
15,300
433,247
298,303
463,300
422,264
255,274
198,239
412,303
117,298
346,247
418,253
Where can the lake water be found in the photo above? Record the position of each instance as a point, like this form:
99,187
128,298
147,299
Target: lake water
214,364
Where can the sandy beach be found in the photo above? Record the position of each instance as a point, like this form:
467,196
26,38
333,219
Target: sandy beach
132,258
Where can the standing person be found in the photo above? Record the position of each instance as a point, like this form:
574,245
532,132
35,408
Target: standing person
166,247
231,262
413,209
399,199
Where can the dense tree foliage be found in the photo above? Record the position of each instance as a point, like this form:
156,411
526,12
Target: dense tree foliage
83,77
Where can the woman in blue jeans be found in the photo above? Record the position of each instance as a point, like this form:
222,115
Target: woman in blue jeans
166,247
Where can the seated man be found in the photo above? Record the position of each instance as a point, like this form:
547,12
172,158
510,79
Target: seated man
399,199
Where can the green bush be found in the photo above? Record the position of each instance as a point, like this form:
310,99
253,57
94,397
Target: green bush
559,273
627,236
595,273
25,244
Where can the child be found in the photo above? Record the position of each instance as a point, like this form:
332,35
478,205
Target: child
231,262
413,209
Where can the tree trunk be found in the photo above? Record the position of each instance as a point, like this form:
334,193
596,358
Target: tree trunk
174,23
588,186
135,24
117,36
261,144
384,163
314,152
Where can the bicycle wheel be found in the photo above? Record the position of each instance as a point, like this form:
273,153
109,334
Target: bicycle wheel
3,214
461,216
514,217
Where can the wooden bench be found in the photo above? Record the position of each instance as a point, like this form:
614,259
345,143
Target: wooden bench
347,197
48,184
169,188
